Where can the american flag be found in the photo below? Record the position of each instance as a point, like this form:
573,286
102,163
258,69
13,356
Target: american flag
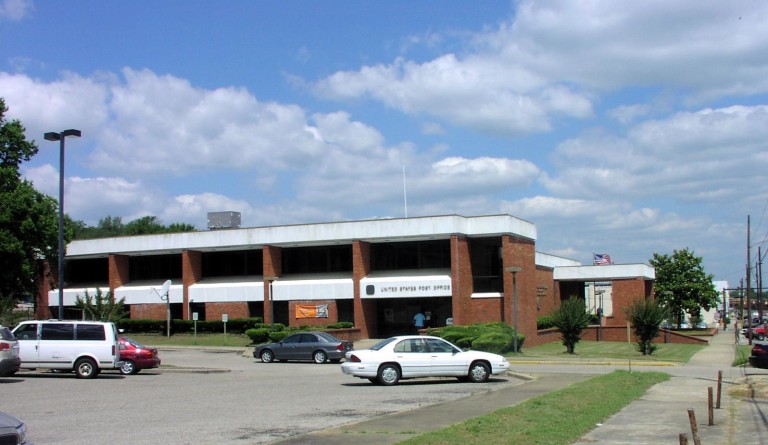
600,259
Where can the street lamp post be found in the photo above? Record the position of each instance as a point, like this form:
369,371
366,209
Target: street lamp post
514,270
53,136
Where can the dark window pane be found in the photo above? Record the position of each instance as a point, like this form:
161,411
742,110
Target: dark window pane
90,332
58,331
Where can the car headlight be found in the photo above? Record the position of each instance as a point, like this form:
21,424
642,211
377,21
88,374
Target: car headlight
21,430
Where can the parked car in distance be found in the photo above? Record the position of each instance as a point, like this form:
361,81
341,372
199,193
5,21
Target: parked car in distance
413,356
12,430
759,356
319,347
702,325
758,332
684,325
9,353
136,356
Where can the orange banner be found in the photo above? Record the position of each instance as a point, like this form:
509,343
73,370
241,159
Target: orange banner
311,311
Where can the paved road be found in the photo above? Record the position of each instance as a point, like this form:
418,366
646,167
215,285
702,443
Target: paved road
250,403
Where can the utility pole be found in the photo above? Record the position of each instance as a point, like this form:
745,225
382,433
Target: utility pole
759,278
749,268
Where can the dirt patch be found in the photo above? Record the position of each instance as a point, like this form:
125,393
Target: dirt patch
752,387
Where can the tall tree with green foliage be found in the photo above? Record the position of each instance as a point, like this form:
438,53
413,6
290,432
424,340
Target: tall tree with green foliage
111,226
28,219
646,316
681,285
571,319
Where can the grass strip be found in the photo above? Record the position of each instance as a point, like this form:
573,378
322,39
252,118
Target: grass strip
671,352
560,417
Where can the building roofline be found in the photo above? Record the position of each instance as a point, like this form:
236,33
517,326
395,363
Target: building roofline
301,235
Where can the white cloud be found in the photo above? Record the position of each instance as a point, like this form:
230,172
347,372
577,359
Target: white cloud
15,9
553,58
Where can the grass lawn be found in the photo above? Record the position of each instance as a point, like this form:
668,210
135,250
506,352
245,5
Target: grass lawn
560,417
611,350
233,340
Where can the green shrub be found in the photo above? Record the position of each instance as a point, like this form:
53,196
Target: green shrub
276,336
258,335
571,319
495,342
646,316
545,322
490,337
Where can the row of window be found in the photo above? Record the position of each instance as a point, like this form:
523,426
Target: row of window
62,331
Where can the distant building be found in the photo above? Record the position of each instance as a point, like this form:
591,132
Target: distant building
374,273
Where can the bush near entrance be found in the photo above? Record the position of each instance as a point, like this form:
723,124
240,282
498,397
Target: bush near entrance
497,338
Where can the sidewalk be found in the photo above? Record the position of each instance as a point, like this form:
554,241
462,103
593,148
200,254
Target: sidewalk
662,414
658,417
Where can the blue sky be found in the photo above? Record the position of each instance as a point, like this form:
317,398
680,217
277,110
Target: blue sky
625,128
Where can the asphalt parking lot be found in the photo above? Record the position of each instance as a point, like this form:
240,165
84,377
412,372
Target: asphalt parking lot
204,397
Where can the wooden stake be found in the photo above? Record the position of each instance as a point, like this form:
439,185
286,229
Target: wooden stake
719,387
709,407
683,439
694,427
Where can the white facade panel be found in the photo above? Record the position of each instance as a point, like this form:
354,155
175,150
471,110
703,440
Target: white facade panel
226,292
71,294
327,289
604,273
149,294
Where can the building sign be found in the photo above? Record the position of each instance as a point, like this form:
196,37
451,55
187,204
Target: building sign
404,287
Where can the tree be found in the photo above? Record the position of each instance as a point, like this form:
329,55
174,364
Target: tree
681,284
646,316
28,219
571,318
111,226
102,307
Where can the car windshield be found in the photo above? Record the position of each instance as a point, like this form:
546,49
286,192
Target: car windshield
382,343
134,343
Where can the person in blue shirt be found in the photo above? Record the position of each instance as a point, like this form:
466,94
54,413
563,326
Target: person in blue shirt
418,320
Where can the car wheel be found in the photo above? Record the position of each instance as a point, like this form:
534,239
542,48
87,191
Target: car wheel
389,375
86,368
128,368
320,357
479,372
761,337
267,356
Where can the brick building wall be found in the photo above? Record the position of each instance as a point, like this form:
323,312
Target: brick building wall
237,309
272,268
191,273
364,309
520,252
461,280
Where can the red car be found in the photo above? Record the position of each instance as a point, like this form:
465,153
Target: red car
759,357
136,356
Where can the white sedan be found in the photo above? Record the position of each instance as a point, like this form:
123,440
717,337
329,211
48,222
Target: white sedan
412,356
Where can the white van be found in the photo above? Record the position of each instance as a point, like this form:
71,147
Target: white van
85,347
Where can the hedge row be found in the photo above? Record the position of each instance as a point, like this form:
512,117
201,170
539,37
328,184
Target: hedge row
234,326
264,333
